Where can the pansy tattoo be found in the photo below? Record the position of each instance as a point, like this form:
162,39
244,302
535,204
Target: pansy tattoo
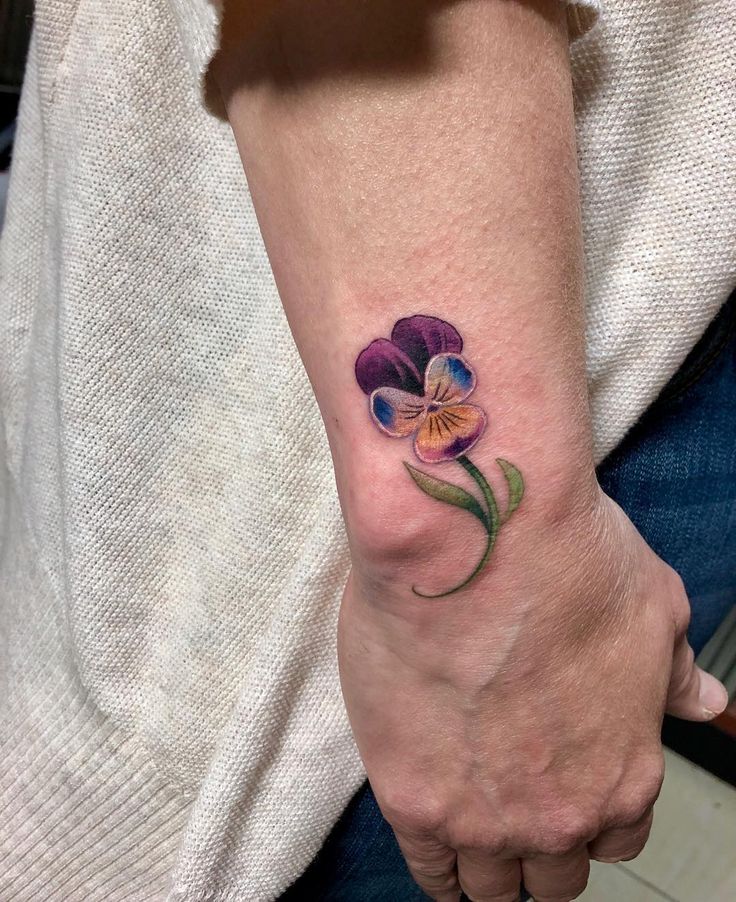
418,384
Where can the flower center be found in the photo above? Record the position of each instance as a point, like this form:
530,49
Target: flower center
431,408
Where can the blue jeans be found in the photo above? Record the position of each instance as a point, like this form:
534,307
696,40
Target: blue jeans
675,476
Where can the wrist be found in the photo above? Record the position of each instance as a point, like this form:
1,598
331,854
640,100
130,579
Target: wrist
547,580
397,532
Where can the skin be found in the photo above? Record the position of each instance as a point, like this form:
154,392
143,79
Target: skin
420,158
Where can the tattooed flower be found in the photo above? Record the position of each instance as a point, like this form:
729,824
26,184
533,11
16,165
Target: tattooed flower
417,382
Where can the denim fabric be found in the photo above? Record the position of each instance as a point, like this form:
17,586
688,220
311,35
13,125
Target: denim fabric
675,476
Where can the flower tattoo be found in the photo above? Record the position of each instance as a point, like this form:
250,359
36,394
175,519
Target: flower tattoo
417,385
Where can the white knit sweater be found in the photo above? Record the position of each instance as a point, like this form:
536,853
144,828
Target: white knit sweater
171,724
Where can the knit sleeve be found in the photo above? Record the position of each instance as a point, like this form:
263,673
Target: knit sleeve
200,22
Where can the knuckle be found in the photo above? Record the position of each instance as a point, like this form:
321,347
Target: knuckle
556,844
572,829
632,809
652,775
484,843
413,814
649,781
635,803
649,792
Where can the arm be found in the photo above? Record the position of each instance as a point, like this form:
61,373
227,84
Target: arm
419,159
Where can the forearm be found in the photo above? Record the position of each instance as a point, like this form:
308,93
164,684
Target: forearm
422,161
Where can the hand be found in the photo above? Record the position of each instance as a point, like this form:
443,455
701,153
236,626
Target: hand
513,731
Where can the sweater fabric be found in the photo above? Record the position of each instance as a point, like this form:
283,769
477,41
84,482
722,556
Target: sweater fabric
171,726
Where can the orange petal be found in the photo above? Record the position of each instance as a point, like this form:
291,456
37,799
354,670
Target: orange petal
448,432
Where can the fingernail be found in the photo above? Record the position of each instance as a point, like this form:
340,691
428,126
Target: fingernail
713,695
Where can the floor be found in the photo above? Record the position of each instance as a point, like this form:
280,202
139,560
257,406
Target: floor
691,854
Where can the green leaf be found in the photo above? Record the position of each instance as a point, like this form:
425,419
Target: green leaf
447,492
515,482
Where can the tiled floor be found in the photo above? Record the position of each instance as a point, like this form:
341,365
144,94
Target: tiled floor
691,854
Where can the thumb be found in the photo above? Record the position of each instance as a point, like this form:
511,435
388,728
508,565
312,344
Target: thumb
693,693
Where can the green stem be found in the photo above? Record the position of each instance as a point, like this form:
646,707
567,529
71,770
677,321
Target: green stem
494,518
494,523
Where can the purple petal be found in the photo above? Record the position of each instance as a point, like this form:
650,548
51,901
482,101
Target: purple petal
383,365
423,337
